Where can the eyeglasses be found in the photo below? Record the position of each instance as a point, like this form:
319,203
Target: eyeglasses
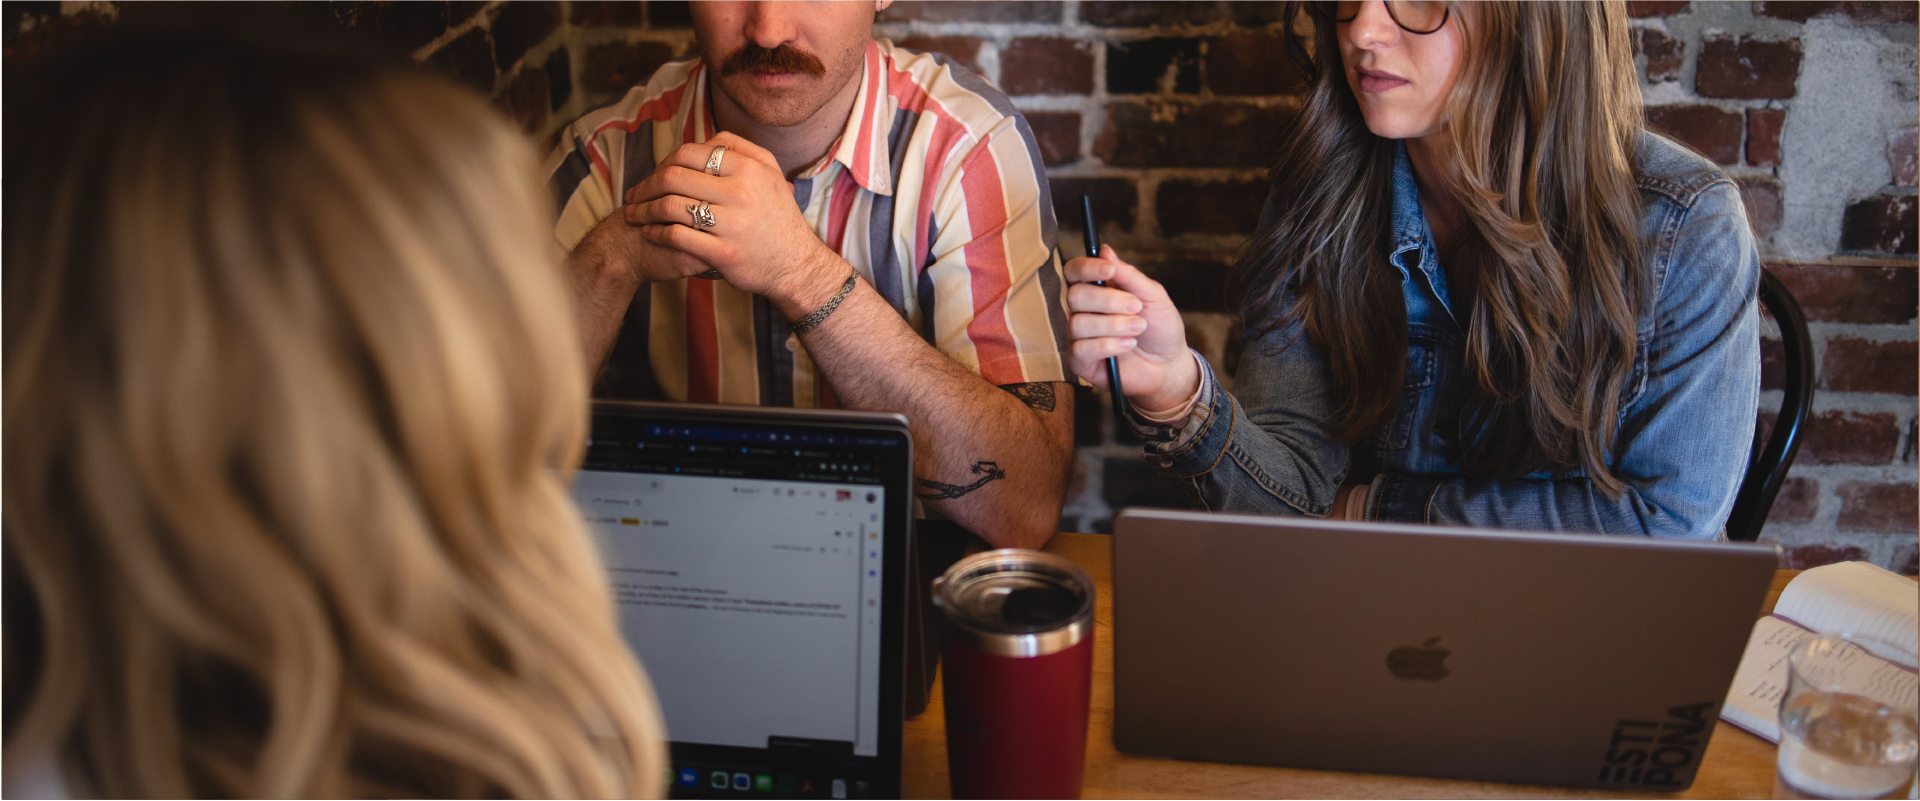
1413,16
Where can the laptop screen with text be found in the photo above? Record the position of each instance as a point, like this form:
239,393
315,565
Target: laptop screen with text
749,565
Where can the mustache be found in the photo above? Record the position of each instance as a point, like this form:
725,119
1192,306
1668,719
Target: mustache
785,58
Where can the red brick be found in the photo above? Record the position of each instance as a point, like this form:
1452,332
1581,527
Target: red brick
1860,365
526,99
1747,68
1763,136
1188,135
669,14
468,59
964,49
619,67
1152,66
1140,13
1665,55
1841,294
1849,438
1116,203
520,26
1047,66
1713,131
1903,149
1213,207
1058,134
1251,64
961,11
406,26
1798,501
1871,11
603,13
1641,9
1807,556
1196,283
559,68
1876,506
1255,13
1773,369
1761,193
1883,224
460,11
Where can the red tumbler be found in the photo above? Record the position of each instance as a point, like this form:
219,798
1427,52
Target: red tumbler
1019,669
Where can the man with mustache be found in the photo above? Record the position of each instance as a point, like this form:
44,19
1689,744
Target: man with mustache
806,216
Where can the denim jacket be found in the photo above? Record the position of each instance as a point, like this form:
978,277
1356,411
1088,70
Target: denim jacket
1684,429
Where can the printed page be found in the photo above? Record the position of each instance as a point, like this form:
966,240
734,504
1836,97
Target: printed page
1855,597
1754,702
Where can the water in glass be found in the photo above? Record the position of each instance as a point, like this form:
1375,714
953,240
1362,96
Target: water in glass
1842,745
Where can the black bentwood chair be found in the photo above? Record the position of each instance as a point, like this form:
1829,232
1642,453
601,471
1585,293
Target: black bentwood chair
1767,466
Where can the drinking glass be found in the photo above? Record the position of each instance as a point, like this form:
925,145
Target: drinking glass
1848,720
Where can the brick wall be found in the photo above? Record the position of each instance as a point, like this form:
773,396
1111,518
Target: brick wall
1161,110
1811,107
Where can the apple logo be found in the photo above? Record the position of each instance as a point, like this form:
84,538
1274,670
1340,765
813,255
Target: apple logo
1424,662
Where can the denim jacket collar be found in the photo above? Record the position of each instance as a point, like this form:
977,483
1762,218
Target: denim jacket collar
1410,232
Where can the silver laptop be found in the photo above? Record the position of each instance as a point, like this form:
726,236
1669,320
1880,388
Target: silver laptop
1428,651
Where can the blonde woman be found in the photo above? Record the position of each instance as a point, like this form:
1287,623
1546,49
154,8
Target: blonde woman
293,394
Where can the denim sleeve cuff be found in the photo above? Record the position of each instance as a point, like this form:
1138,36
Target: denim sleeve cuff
1399,498
1165,438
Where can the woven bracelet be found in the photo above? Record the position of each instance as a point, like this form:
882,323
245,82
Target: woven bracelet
820,315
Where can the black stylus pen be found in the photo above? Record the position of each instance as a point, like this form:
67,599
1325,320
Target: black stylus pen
1113,364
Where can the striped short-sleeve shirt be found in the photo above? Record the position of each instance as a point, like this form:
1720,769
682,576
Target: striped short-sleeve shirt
934,193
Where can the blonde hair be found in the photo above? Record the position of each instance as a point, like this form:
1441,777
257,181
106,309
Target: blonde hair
295,394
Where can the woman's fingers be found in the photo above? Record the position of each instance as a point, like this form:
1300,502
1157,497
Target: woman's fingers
1109,267
1089,326
1101,300
1084,269
1088,356
1129,277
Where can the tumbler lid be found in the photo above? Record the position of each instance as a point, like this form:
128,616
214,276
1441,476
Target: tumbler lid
1017,602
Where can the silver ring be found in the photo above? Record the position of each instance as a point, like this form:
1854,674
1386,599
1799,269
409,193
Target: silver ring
713,159
711,275
702,215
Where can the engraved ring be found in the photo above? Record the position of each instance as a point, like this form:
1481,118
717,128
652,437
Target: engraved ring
702,214
713,160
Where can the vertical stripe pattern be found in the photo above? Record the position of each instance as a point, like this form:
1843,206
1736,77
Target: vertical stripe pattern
934,192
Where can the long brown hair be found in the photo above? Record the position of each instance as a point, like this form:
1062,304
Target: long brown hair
293,392
1545,120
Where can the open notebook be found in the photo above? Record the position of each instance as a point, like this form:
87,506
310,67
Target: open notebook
1851,597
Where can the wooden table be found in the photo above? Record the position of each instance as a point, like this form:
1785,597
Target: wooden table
1736,765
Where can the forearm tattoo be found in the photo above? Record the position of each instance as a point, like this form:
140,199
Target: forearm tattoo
1035,396
987,471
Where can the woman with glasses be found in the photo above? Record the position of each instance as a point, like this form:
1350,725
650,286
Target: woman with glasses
1481,293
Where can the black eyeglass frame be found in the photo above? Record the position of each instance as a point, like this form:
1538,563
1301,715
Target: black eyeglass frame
1326,10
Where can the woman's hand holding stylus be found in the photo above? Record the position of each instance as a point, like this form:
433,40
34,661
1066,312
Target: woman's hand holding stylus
1130,318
